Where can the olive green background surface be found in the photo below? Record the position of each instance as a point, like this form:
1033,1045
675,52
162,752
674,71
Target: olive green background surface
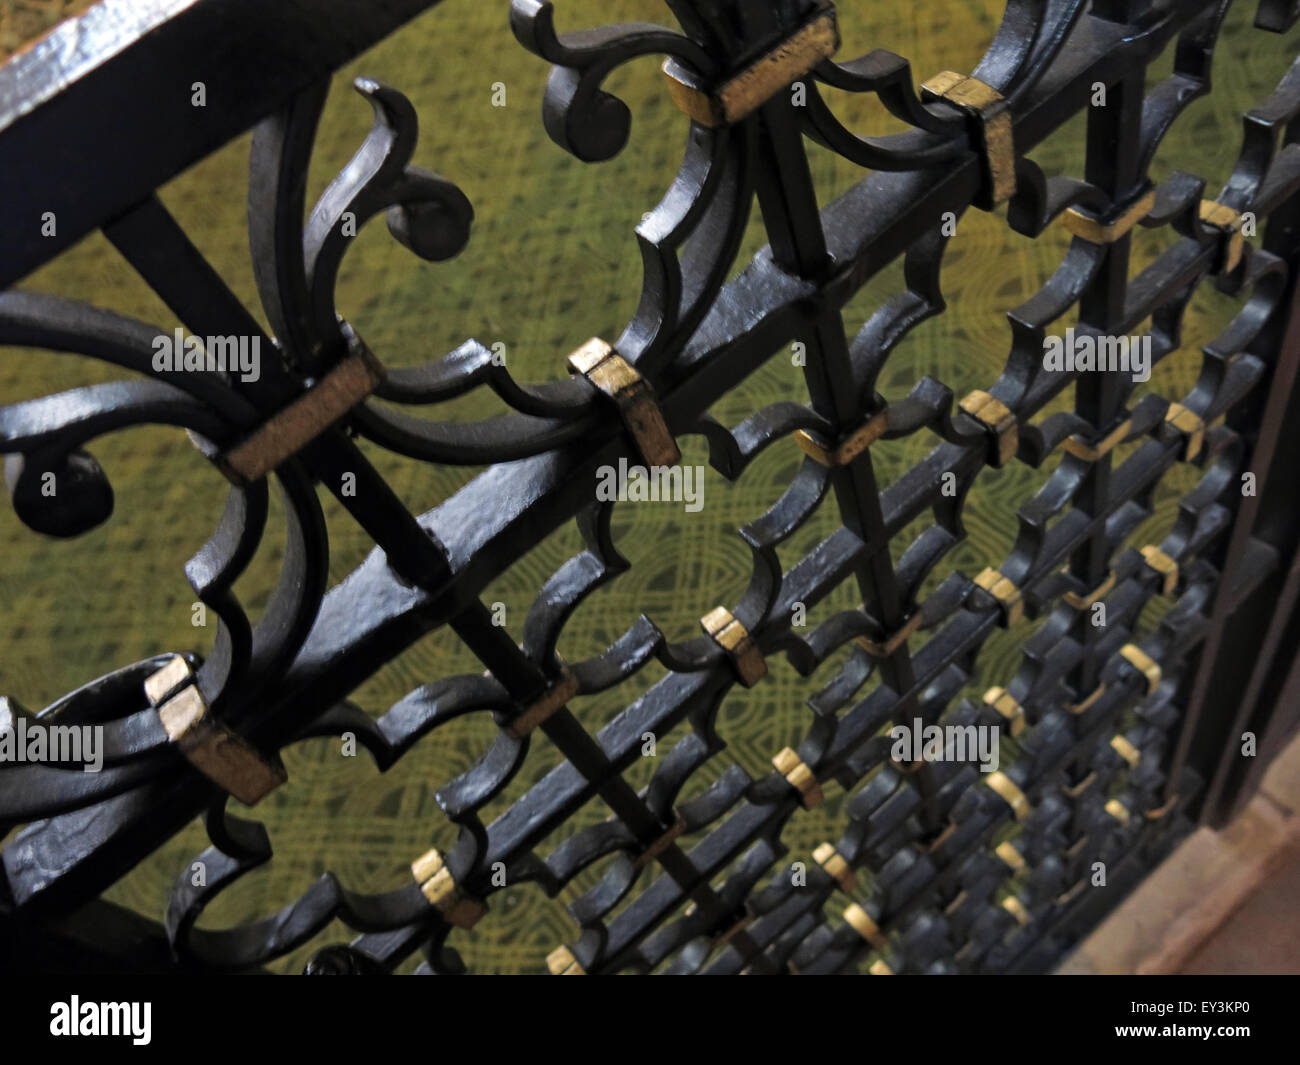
551,262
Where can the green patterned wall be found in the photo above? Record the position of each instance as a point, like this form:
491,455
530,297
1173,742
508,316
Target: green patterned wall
550,263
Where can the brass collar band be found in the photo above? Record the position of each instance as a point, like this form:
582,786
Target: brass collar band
836,866
440,888
618,379
745,92
1080,707
1143,663
561,962
1009,793
1160,811
1164,566
555,697
221,755
1017,909
1080,449
1126,750
1013,858
1005,704
1190,424
1095,231
732,637
1006,593
1118,810
799,777
1079,787
662,843
860,921
1082,602
1228,223
997,419
847,449
885,648
284,434
986,106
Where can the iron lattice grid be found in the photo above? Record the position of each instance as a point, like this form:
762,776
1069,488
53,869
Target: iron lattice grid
950,871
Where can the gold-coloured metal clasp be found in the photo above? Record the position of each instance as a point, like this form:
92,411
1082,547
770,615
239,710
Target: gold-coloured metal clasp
997,417
985,105
799,777
550,701
655,849
746,91
886,647
1126,750
1080,707
220,754
1082,602
1080,448
1006,593
1143,663
734,638
1189,423
836,866
1006,789
1165,566
1118,810
1005,704
1228,223
618,379
440,888
847,449
561,962
860,921
1013,858
284,434
1094,231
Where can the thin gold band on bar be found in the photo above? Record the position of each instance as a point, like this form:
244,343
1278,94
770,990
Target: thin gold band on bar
745,92
987,105
847,449
1094,231
618,379
220,754
440,888
734,638
284,434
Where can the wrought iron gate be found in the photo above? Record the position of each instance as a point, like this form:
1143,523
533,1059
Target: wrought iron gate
1117,736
